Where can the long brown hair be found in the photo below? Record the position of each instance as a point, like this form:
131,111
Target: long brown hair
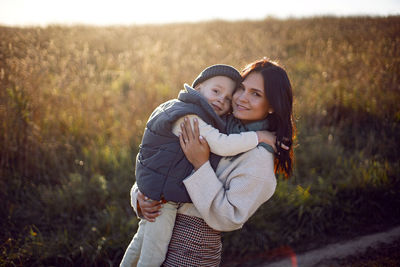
278,91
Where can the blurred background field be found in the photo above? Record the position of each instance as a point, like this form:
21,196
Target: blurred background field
74,102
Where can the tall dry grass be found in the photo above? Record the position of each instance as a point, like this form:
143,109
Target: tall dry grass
74,102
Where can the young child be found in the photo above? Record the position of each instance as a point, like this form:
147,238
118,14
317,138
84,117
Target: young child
161,165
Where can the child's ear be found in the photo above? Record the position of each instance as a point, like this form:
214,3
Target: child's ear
197,87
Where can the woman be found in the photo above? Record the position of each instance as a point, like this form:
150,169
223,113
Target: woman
225,199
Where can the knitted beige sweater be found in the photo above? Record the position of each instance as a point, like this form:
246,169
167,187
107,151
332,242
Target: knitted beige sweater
227,198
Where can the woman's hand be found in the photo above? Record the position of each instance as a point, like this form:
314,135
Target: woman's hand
150,209
270,139
194,146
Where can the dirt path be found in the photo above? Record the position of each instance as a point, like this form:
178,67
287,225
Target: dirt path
338,251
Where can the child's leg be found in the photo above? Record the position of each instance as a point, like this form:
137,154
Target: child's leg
132,253
157,236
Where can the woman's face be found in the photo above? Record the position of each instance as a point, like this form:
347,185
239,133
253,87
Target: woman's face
250,103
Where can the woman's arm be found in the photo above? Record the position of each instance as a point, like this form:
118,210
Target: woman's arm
248,182
227,207
143,206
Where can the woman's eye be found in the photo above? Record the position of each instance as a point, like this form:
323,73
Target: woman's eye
215,91
256,94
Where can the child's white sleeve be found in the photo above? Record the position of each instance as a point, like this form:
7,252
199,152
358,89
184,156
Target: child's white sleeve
221,144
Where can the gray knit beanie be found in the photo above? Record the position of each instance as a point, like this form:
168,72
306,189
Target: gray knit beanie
218,70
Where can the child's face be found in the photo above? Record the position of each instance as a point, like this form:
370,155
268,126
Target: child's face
218,92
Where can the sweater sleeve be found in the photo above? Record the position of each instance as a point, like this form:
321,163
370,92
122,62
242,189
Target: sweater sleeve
221,144
134,193
226,207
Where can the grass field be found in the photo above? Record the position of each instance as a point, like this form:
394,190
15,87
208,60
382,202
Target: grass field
74,102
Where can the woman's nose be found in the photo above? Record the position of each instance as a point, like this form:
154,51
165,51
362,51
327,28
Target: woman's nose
242,97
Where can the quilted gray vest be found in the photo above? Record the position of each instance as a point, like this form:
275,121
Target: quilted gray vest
161,164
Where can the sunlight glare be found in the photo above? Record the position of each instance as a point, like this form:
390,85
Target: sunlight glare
124,12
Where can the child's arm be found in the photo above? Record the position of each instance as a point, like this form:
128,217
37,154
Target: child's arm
223,144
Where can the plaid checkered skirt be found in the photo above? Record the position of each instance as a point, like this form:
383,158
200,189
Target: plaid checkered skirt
193,243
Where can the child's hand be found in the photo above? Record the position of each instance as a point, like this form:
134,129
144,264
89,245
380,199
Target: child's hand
194,146
150,209
270,139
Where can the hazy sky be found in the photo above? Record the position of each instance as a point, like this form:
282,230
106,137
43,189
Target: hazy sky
126,12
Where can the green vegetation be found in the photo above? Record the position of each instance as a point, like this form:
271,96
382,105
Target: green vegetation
74,102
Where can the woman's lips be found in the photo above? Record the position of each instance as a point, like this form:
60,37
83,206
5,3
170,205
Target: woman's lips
240,107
